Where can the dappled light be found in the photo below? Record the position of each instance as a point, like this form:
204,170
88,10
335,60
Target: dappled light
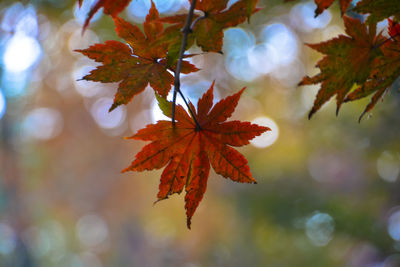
248,57
318,192
42,124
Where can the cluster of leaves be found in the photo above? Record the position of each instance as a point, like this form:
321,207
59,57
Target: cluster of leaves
354,66
362,63
190,141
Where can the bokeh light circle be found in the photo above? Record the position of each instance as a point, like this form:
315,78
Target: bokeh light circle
42,124
3,104
302,17
283,40
21,53
388,166
269,137
104,118
394,224
8,239
319,228
92,230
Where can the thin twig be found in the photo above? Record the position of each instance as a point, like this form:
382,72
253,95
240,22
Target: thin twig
197,20
391,38
177,83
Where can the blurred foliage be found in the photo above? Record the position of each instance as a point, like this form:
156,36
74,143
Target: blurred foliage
327,192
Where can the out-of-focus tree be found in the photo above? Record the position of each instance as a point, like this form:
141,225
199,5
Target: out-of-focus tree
327,192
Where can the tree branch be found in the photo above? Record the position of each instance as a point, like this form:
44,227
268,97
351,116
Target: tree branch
177,83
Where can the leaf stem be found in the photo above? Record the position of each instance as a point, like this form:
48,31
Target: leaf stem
391,38
197,20
186,30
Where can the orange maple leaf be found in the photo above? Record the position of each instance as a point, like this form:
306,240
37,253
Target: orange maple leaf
136,64
188,149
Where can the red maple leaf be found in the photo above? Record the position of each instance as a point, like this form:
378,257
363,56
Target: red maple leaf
393,29
136,64
385,72
325,4
110,7
188,149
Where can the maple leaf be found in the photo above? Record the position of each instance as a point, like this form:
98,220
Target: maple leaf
378,9
136,64
208,29
393,29
325,4
251,7
110,7
348,60
188,150
385,72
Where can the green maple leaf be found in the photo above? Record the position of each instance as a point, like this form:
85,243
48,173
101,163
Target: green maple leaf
348,60
385,73
208,30
378,9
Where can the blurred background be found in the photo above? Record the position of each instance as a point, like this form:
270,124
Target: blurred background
328,189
